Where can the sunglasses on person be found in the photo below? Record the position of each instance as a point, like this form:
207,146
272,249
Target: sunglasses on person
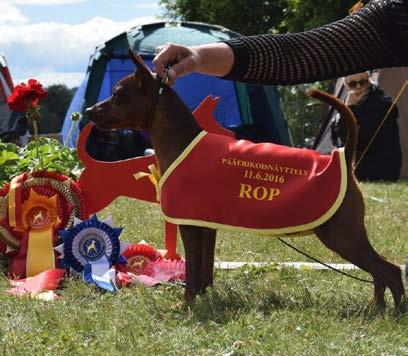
353,84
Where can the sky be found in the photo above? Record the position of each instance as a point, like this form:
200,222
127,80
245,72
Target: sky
51,40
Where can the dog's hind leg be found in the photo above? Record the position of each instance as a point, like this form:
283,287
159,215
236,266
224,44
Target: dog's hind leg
192,238
345,234
208,243
379,291
351,243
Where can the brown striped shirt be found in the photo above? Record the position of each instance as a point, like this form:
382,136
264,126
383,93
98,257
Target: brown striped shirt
374,37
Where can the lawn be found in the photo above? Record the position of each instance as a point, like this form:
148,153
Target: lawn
250,311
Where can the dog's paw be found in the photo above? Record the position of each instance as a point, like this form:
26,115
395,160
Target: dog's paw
183,305
375,307
402,307
377,303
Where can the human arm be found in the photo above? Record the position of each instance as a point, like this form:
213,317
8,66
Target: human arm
374,37
213,59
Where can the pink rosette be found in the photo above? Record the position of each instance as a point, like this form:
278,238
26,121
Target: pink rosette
166,270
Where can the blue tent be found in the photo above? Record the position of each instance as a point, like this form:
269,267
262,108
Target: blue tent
252,111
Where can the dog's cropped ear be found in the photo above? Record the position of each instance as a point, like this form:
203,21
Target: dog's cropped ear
142,69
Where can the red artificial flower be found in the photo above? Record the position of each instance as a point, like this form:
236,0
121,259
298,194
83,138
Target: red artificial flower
25,96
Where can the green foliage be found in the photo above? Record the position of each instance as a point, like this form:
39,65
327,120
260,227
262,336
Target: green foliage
251,17
301,15
248,17
53,108
15,160
302,112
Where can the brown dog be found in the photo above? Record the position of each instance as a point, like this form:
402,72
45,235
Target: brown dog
135,104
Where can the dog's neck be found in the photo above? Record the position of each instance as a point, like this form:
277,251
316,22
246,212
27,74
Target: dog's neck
172,128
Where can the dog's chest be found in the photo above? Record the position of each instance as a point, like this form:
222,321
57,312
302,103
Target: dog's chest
220,182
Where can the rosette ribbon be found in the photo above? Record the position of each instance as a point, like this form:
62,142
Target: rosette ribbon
170,229
40,219
14,199
154,177
90,248
32,209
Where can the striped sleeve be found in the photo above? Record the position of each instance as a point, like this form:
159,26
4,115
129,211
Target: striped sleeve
374,37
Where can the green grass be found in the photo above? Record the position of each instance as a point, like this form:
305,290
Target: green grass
249,311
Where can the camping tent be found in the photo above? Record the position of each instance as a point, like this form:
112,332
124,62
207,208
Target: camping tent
7,118
253,111
391,80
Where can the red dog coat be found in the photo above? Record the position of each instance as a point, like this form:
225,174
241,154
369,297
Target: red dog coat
222,183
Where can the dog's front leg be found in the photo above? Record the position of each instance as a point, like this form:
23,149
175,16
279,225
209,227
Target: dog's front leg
193,248
208,241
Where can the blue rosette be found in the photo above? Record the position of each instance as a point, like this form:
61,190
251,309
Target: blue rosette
90,248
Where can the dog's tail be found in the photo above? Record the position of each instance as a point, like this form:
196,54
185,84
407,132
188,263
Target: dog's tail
348,117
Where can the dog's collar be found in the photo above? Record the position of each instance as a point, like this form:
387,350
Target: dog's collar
162,82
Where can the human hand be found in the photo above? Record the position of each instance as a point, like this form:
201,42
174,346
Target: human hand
354,97
183,60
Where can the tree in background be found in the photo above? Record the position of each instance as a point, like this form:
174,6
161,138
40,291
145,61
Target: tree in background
54,107
301,15
250,17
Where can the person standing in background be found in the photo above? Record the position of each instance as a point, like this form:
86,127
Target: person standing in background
378,153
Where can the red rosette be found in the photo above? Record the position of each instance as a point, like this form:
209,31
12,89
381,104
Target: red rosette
51,175
74,187
138,256
3,247
4,190
8,237
70,200
83,213
70,203
3,205
17,234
